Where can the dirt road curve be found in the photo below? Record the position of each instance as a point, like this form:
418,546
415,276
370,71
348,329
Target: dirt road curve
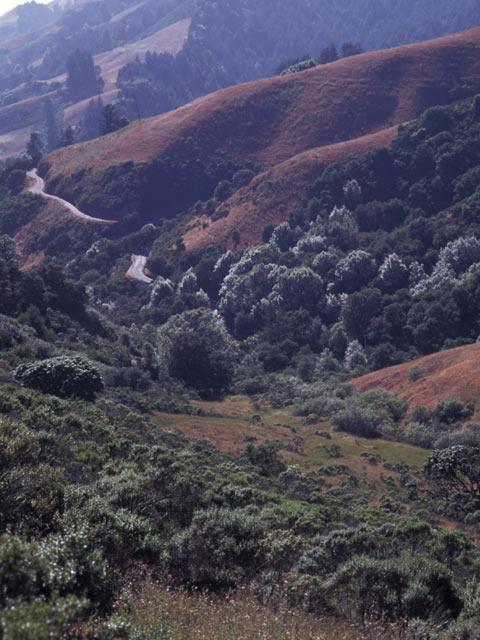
38,186
136,269
138,262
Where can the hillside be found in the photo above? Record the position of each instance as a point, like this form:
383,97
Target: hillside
36,41
19,116
276,121
187,456
454,372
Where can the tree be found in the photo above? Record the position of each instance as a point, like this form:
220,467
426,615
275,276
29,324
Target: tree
328,54
359,310
90,122
68,137
83,78
35,148
393,273
454,470
62,376
50,125
351,49
355,355
197,350
355,271
111,120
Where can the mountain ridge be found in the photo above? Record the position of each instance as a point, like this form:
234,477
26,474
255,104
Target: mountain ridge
285,116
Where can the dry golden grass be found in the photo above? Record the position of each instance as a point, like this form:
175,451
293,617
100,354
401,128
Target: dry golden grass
239,616
326,113
451,372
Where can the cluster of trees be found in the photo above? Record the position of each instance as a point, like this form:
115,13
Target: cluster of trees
327,54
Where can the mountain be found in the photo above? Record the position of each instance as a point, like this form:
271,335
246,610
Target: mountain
33,59
292,126
214,45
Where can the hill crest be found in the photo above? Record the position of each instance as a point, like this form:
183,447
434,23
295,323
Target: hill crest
275,120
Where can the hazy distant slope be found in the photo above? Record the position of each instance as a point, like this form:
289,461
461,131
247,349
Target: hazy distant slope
274,120
32,65
239,40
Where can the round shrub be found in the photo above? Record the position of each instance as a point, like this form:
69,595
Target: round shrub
62,376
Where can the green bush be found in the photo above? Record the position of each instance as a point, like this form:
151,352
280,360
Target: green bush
451,410
415,373
62,376
40,619
218,550
420,435
395,589
357,420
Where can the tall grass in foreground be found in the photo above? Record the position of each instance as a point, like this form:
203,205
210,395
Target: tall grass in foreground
239,616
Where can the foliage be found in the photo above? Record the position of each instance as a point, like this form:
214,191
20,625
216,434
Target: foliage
454,470
197,349
62,376
83,79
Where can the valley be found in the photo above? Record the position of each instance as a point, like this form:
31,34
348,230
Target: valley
239,320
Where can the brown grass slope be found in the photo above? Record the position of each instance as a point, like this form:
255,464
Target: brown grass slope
454,372
274,120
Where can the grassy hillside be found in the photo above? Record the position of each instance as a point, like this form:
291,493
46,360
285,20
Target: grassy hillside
452,372
275,120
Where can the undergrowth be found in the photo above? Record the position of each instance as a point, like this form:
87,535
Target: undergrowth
183,615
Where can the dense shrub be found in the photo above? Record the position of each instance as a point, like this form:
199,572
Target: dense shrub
62,376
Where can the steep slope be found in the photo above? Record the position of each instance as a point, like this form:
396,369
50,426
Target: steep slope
273,193
455,372
272,121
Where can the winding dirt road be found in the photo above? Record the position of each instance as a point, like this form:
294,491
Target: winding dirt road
38,186
136,269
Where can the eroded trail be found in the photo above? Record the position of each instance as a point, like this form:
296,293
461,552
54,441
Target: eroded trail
135,270
38,186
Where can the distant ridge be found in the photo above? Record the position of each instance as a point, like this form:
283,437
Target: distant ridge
293,125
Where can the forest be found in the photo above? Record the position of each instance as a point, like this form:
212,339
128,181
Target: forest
232,42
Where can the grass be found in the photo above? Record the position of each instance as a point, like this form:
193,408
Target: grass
231,424
238,616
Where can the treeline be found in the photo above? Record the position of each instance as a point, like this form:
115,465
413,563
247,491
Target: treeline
232,42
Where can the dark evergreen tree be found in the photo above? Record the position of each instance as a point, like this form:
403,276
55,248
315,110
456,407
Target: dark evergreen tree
35,148
351,49
328,54
50,125
111,120
68,137
83,78
90,122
